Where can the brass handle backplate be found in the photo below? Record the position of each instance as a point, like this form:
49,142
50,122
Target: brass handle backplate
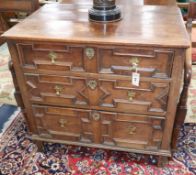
58,89
96,116
53,57
134,63
131,95
90,53
132,130
62,123
92,84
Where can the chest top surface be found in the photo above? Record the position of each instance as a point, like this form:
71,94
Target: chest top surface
140,25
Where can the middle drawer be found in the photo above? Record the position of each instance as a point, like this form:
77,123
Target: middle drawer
116,94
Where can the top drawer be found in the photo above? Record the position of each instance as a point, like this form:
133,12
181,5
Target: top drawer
113,60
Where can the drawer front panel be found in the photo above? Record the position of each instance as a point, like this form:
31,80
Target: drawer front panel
57,90
149,62
131,131
56,58
121,95
63,123
99,94
98,127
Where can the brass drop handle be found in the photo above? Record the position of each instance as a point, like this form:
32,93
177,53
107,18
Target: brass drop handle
90,53
62,123
131,95
92,84
53,57
96,116
132,130
134,63
58,89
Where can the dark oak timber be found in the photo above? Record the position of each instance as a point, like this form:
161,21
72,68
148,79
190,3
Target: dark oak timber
75,76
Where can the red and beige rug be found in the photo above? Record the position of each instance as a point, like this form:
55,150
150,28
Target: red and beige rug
19,156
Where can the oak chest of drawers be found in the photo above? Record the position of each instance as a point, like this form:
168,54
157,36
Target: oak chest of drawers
76,76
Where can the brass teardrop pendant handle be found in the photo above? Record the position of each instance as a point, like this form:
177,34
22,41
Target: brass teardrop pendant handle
53,57
58,89
62,123
131,95
132,130
134,63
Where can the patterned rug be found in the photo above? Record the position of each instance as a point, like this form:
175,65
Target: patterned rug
19,156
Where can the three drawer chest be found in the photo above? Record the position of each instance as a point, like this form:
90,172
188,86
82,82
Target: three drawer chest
106,85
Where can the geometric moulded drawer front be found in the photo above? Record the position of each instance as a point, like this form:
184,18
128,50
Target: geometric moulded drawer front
131,130
149,62
57,90
98,127
55,58
120,95
99,94
63,123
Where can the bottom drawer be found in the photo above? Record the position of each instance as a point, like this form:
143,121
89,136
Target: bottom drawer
99,127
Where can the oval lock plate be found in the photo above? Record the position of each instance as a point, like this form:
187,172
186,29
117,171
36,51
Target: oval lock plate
92,84
96,116
90,53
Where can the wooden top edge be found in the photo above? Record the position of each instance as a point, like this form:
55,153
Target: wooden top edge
141,25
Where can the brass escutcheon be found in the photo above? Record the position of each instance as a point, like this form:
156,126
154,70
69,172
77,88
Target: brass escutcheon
62,122
92,84
53,56
58,89
132,130
134,63
90,53
96,116
131,95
